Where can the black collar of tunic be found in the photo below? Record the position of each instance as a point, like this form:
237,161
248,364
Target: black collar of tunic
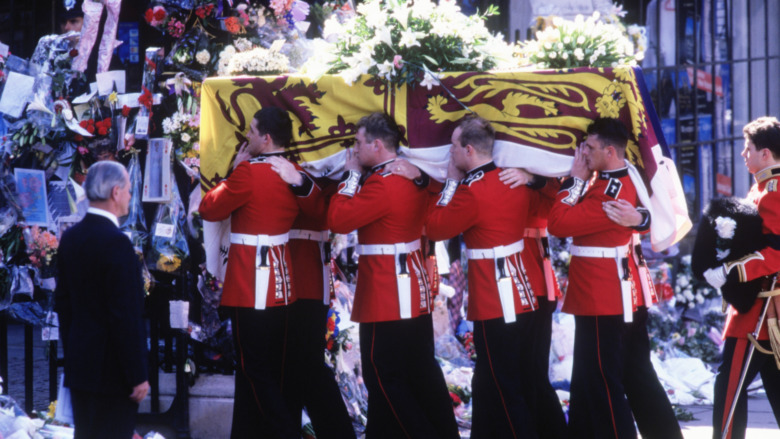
616,173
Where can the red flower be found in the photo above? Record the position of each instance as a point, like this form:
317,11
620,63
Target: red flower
232,25
149,15
73,53
125,111
102,130
201,12
83,124
91,129
330,345
159,14
78,137
456,401
146,98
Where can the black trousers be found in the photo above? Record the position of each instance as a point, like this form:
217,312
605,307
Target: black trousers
550,421
735,352
612,378
321,394
98,416
407,395
503,383
267,396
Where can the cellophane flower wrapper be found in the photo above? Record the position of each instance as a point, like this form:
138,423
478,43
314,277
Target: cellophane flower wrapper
134,224
169,251
183,54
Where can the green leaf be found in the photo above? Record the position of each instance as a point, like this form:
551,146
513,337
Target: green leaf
430,60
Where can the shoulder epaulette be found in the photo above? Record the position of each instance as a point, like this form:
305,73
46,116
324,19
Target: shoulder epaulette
473,178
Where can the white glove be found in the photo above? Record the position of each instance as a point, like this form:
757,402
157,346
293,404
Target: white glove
716,276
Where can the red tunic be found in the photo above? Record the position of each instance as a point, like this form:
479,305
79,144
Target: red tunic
594,285
307,255
489,214
537,220
386,209
766,195
258,202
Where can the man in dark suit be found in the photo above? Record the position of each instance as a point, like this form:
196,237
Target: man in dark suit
99,299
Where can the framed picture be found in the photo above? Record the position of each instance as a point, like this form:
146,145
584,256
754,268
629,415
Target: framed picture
31,190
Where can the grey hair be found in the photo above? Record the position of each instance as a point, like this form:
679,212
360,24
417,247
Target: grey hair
102,177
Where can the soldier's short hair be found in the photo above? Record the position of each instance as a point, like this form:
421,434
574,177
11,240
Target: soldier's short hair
764,132
102,177
383,127
275,122
611,131
478,133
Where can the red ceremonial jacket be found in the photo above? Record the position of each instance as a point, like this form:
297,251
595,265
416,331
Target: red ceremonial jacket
766,195
307,256
386,209
258,202
594,285
537,219
489,214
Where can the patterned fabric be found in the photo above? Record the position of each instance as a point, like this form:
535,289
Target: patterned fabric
458,281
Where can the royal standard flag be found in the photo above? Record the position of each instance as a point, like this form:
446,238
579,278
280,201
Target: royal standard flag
540,117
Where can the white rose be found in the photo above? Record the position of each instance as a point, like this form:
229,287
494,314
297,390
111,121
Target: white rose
725,227
203,57
185,137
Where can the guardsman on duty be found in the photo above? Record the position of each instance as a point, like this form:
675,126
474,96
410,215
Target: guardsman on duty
550,419
612,376
492,218
762,159
262,205
407,394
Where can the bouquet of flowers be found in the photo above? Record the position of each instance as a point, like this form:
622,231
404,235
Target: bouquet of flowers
42,251
689,292
404,43
259,61
584,42
183,130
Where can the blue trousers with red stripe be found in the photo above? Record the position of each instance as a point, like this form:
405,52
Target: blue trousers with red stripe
734,355
407,394
613,378
267,398
550,420
503,385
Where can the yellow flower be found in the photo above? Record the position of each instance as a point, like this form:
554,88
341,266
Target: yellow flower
52,409
610,102
168,263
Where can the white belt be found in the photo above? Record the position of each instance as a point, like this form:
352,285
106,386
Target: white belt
599,252
617,254
387,249
258,240
402,276
262,270
500,251
535,233
310,235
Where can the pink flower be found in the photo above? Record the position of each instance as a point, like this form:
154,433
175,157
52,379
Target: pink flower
398,61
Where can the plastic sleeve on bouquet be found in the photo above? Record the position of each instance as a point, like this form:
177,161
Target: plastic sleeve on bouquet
169,250
153,57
